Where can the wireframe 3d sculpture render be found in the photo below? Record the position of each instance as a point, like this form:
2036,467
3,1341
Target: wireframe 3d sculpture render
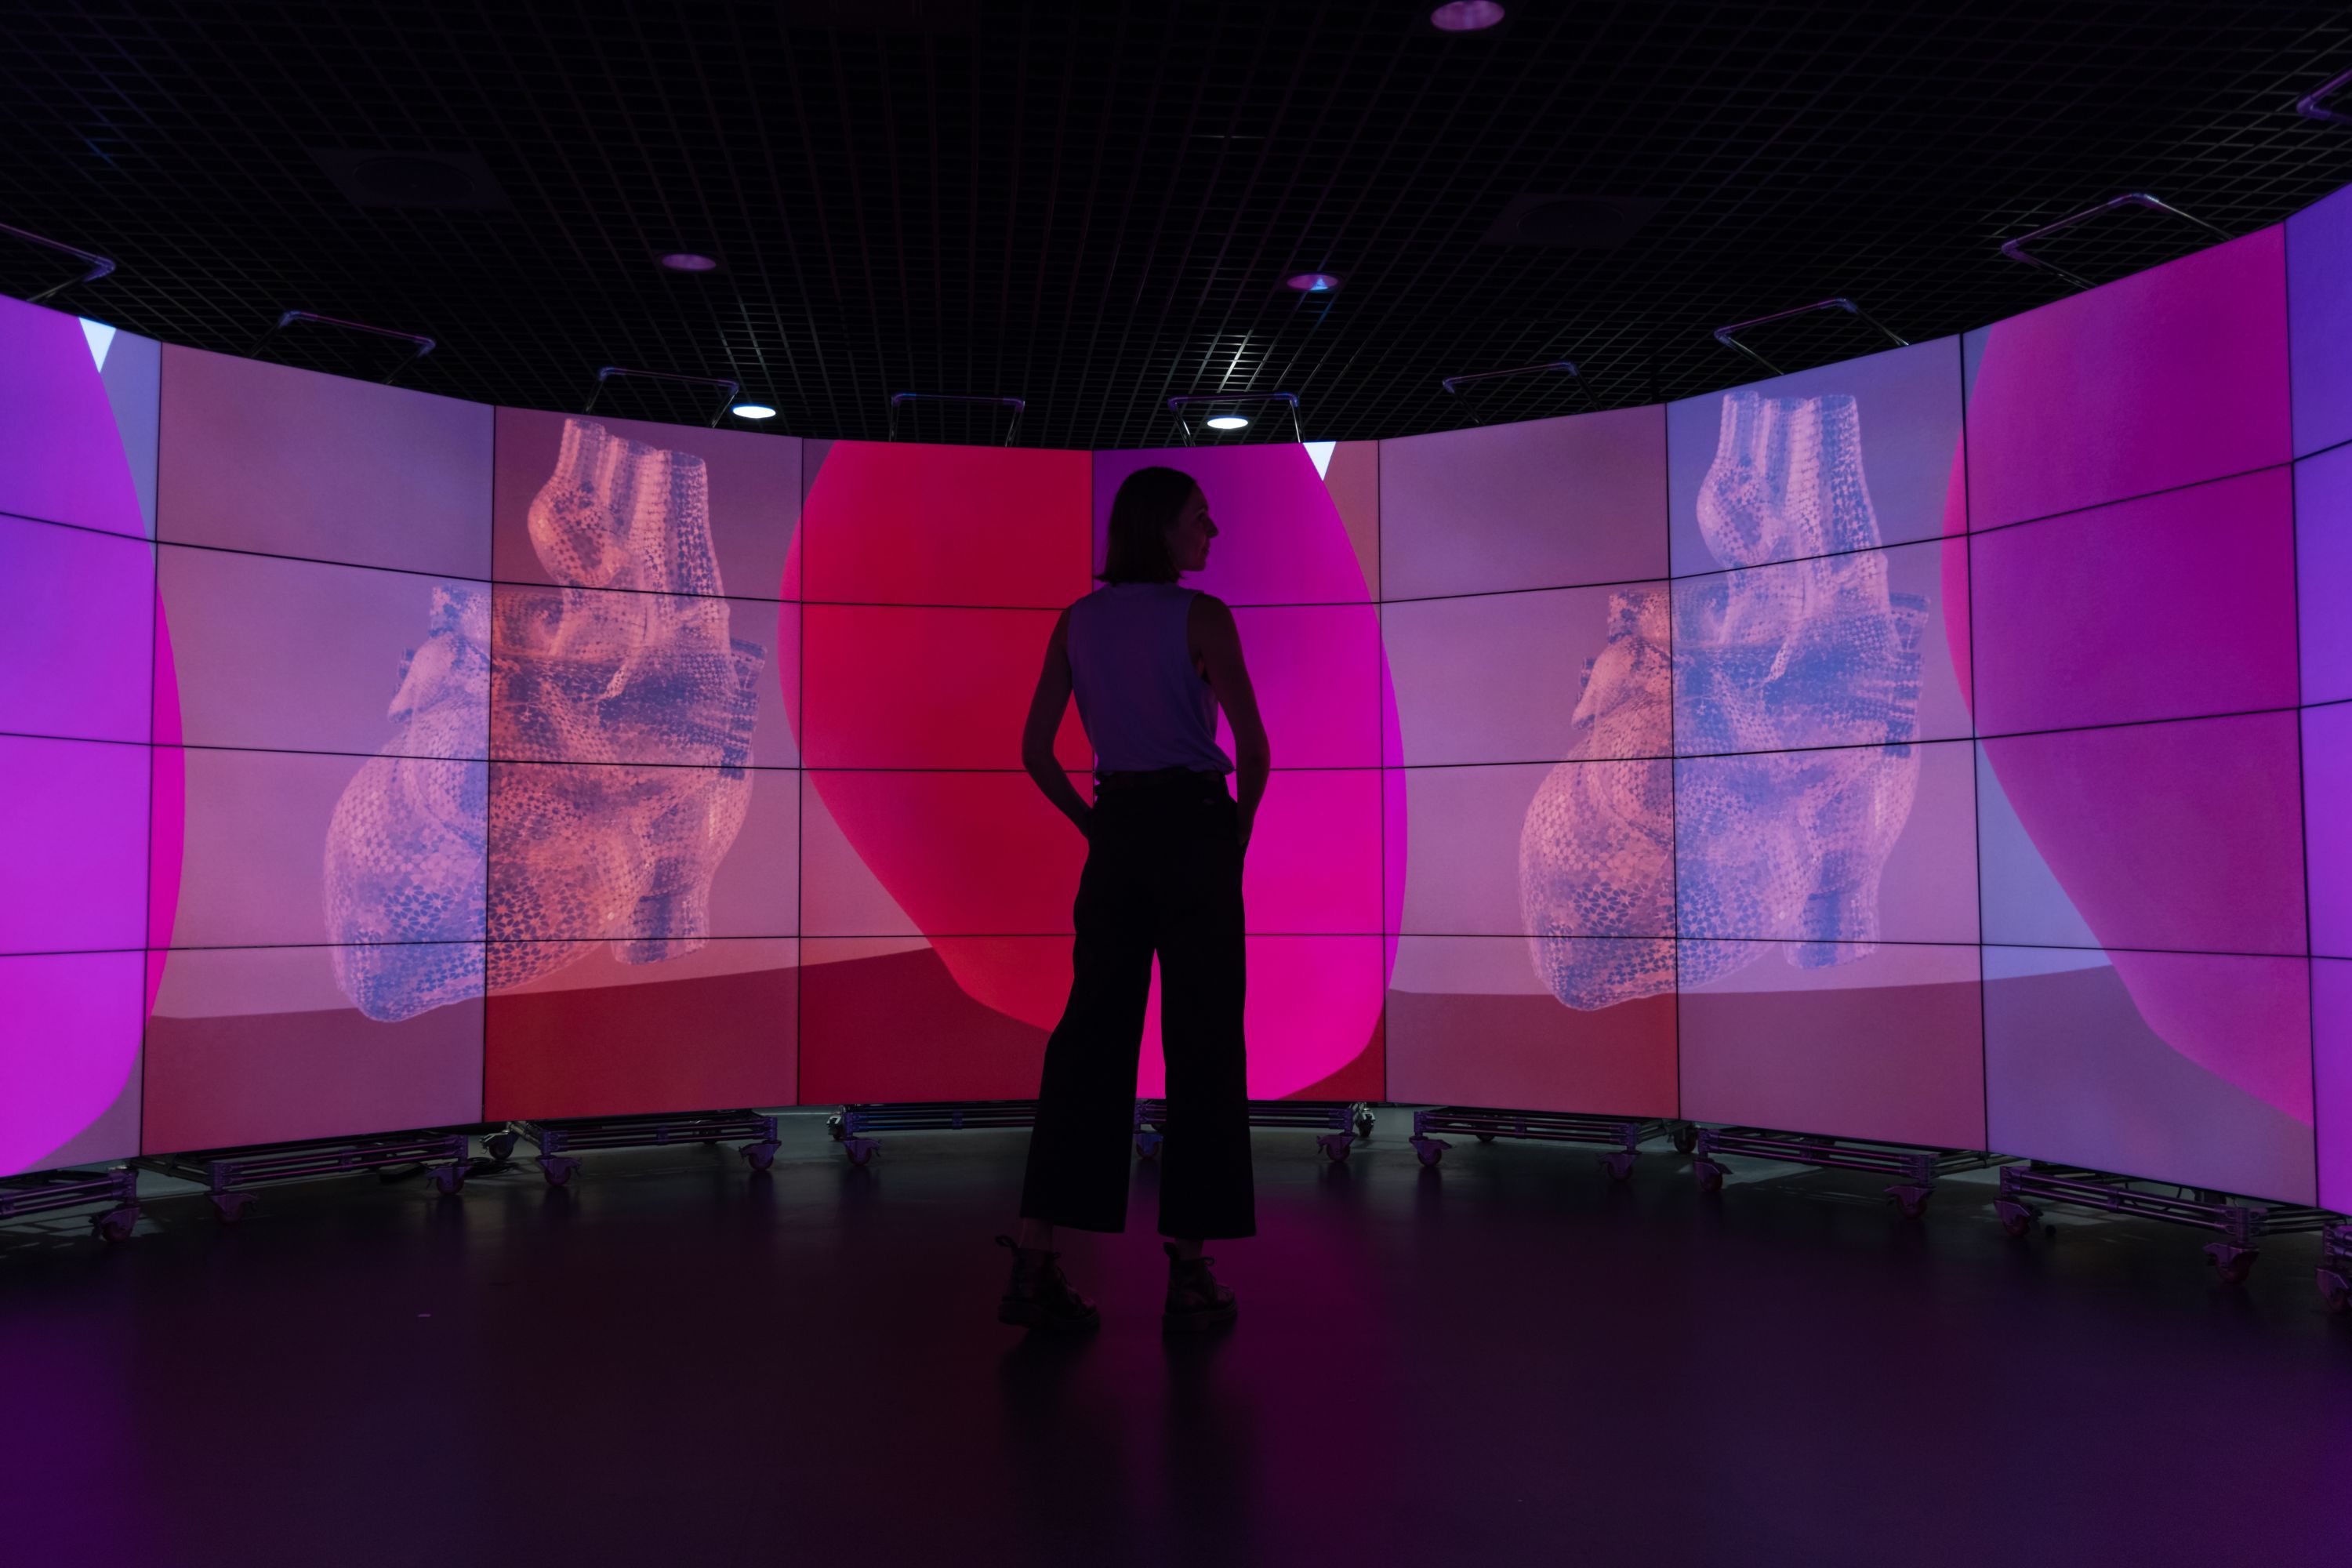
1795,679
620,710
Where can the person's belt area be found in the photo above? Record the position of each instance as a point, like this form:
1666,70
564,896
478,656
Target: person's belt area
1158,778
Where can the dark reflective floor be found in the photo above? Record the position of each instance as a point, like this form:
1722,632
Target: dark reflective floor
1503,1360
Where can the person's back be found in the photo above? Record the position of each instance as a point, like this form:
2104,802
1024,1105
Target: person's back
1141,695
1147,662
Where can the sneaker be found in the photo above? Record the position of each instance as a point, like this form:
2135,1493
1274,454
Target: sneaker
1195,1299
1038,1296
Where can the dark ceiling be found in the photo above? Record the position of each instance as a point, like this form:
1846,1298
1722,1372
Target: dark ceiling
1092,206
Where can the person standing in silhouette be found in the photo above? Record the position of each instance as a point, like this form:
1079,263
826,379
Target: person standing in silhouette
1150,663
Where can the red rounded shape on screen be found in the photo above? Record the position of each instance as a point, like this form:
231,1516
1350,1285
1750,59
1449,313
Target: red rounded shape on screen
966,544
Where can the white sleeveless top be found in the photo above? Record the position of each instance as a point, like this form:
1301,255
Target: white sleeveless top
1144,705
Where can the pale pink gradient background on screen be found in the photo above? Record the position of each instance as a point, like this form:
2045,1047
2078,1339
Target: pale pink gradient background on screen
1548,503
1494,678
296,654
1885,1045
291,462
1470,1023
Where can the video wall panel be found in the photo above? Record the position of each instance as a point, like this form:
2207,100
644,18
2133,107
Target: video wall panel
1860,1040
1503,677
1549,503
278,461
1852,455
2331,1029
1824,804
1945,746
643,834
79,648
1534,731
2193,1067
320,920
2319,322
604,1026
70,1055
1531,1049
261,1044
77,632
2323,570
76,422
2169,377
2106,615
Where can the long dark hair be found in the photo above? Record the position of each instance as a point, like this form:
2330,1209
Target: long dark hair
1145,510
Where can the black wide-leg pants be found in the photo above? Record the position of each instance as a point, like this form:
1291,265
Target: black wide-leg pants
1163,876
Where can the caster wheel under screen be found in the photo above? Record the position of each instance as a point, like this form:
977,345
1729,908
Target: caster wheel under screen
1911,1202
2233,1264
2336,1290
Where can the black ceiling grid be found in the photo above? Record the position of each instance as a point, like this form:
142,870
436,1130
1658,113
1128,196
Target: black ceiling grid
1093,205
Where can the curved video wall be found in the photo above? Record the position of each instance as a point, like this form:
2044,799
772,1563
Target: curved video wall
1947,747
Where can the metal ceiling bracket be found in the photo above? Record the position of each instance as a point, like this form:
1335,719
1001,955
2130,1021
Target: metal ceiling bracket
1177,406
1454,383
2015,250
1018,405
734,388
1724,335
2310,108
422,344
98,266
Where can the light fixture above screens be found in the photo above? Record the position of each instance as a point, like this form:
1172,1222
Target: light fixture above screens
1228,422
1314,282
752,411
1466,16
689,261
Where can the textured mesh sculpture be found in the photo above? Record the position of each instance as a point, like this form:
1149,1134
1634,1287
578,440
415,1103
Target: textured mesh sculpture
1796,679
404,847
1597,851
621,710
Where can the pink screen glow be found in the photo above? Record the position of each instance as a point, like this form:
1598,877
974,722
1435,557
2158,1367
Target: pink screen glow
1802,755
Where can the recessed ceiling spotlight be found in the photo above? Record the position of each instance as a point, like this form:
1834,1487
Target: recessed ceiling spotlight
689,261
1314,282
752,411
1466,16
1228,422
